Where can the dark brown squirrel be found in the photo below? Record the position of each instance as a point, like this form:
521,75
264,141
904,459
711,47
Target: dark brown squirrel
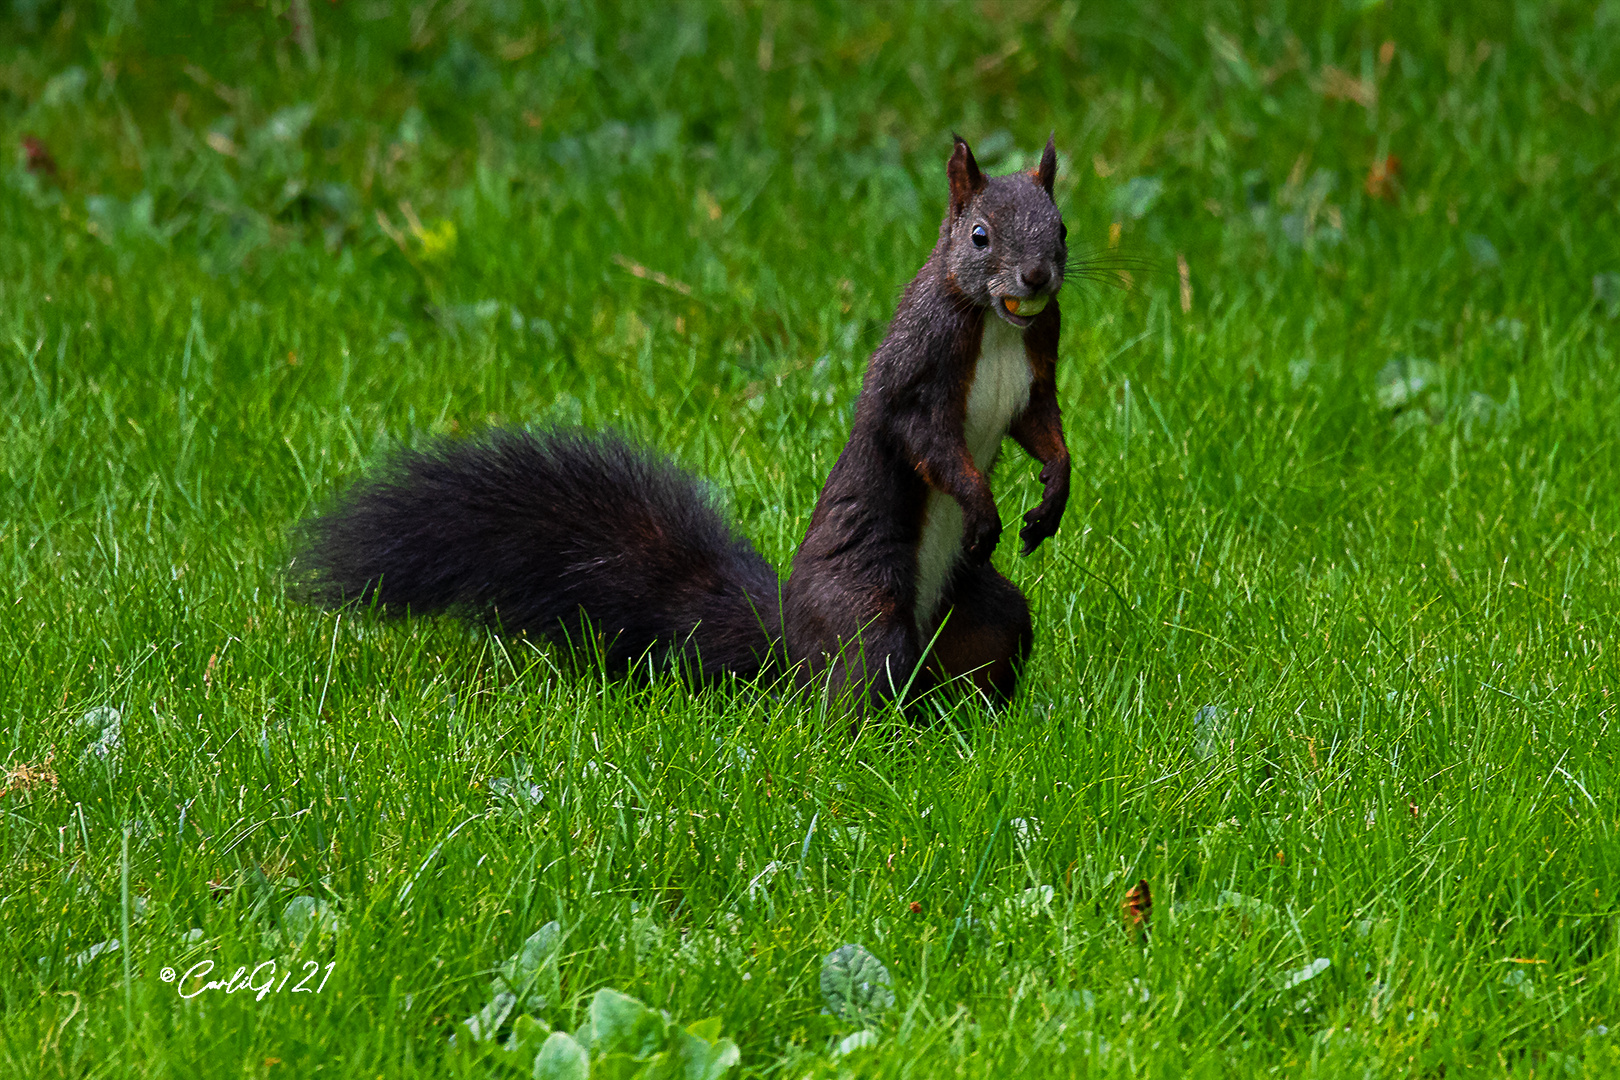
581,536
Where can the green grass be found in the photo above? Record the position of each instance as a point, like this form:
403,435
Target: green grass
1325,646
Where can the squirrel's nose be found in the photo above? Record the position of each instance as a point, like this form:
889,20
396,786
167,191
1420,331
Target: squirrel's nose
1036,275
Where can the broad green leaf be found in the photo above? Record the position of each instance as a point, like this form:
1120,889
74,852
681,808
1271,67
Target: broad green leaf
855,983
702,1059
528,1035
707,1030
531,972
487,1021
561,1058
306,915
860,1040
621,1024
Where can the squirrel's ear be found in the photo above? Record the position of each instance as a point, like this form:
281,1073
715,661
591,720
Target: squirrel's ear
965,177
1046,172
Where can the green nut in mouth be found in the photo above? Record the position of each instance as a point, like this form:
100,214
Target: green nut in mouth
1027,307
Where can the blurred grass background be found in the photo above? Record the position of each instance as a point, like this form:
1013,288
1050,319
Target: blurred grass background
1324,646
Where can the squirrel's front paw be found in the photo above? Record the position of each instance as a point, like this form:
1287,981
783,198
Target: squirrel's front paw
1038,526
981,535
1041,522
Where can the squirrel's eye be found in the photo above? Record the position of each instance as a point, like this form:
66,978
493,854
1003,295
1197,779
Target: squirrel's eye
980,236
1063,232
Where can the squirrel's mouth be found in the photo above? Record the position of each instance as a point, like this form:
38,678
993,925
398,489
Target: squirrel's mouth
1020,310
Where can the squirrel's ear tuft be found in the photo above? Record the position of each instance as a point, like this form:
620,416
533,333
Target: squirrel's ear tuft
965,177
1046,172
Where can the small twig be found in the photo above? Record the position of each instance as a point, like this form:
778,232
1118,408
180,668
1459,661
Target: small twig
303,30
637,270
219,89
411,219
388,228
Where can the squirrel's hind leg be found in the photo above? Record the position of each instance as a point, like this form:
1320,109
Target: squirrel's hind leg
987,633
862,666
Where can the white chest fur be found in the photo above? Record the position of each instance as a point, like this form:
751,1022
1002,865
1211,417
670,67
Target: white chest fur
999,392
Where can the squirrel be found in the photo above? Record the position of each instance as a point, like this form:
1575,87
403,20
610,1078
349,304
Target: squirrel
573,535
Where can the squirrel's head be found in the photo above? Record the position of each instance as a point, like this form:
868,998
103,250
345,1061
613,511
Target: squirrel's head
1005,242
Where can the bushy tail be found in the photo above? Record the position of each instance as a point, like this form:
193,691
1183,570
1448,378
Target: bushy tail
552,532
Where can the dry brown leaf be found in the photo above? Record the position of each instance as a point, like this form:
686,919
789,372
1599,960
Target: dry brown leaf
1138,907
1338,83
1384,179
25,776
39,156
